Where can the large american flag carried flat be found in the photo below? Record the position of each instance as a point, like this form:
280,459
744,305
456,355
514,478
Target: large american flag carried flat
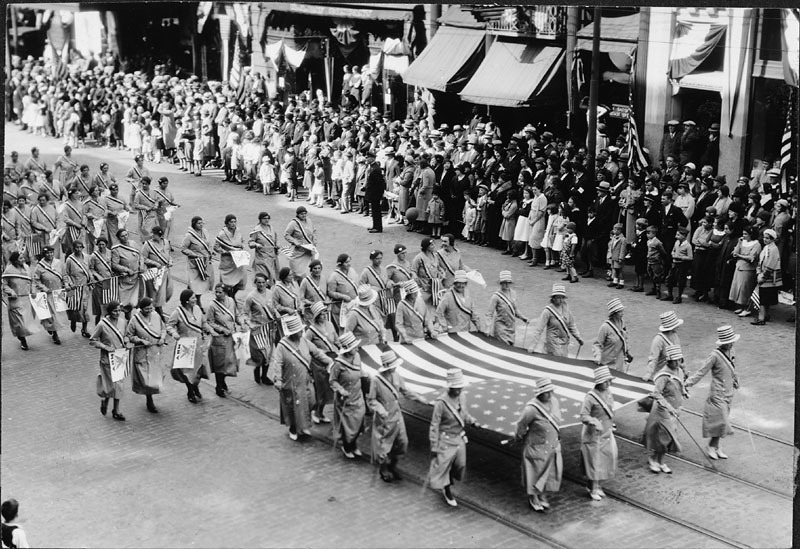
501,378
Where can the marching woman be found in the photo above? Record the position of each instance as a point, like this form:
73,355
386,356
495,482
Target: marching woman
448,437
43,222
16,286
94,211
349,407
342,287
103,179
540,426
456,311
229,240
65,166
661,430
165,201
425,268
503,312
116,209
47,277
291,363
398,274
301,234
264,240
136,174
364,321
108,336
558,324
197,248
389,438
375,277
126,262
716,420
80,182
145,202
73,219
102,274
322,334
611,347
156,255
77,279
222,319
449,260
285,298
312,289
147,332
598,445
413,320
187,321
262,321
9,231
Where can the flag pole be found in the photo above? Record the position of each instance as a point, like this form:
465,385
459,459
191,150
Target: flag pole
695,442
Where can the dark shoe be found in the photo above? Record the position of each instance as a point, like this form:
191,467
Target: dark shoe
612,284
668,297
117,416
220,392
104,407
257,374
619,287
374,231
758,322
637,289
56,339
588,274
152,408
677,300
566,278
652,292
23,344
191,397
574,279
196,388
73,326
266,381
86,334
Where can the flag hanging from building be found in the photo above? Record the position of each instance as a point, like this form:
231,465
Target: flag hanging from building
637,161
60,62
786,148
501,378
235,76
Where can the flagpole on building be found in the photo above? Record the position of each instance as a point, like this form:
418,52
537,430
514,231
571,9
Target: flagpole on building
594,90
572,39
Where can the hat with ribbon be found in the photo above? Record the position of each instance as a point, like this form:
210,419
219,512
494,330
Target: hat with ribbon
460,276
673,352
317,308
455,379
726,335
543,385
615,306
410,286
669,321
604,187
292,324
559,290
602,374
505,276
366,295
348,342
389,361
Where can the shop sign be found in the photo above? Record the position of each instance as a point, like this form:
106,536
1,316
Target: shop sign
620,111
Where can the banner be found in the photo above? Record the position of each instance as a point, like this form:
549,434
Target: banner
241,258
118,361
99,225
241,346
122,218
477,278
168,213
184,353
346,308
55,234
40,307
60,301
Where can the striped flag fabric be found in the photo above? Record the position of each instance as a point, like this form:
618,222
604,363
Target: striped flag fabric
755,300
110,290
261,336
202,267
236,67
637,161
436,291
386,301
501,378
786,148
75,298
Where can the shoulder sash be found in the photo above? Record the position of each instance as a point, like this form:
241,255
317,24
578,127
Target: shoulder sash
114,331
144,326
545,414
620,335
159,254
377,277
200,240
296,353
452,410
80,265
559,319
507,301
323,337
388,385
191,324
602,403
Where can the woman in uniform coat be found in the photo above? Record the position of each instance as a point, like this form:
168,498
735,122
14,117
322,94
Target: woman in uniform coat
285,294
611,347
456,311
156,255
716,420
413,320
93,211
147,332
197,248
424,268
264,240
228,240
76,279
302,235
322,334
223,318
341,287
115,207
349,408
598,445
109,336
48,276
503,312
312,290
126,262
145,202
449,260
448,437
364,321
187,321
661,429
558,324
539,425
16,285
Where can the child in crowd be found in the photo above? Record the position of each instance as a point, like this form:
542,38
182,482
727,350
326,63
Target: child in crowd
615,257
655,260
469,215
147,144
509,224
266,174
550,237
156,141
318,186
639,254
560,227
337,163
482,205
682,257
568,252
435,213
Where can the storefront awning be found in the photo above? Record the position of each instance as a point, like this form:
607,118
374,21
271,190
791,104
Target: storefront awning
693,43
447,61
617,35
512,74
708,81
387,12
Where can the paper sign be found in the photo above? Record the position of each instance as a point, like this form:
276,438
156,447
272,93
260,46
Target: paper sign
241,346
60,300
184,353
346,308
240,258
39,304
477,278
122,218
118,361
168,213
55,234
61,207
99,225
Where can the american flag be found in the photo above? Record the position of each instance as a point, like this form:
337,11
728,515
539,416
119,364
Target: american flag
637,161
262,337
75,298
236,67
501,378
386,301
60,61
202,267
755,300
110,290
436,291
786,148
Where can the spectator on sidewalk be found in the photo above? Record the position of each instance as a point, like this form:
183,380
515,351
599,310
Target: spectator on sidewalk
13,534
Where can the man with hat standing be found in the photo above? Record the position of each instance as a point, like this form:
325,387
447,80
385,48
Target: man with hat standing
503,313
456,310
558,324
671,218
671,143
542,464
364,321
611,346
349,407
598,445
710,155
412,320
690,143
716,422
373,192
666,336
389,438
291,364
605,214
448,436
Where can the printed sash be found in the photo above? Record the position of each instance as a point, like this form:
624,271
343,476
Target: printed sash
546,415
49,269
507,301
267,237
728,362
620,335
144,326
315,287
347,279
389,385
114,331
46,215
302,231
295,353
224,309
366,317
158,253
602,403
228,246
331,347
288,292
460,305
162,195
200,240
559,319
102,260
190,323
81,266
402,269
377,277
446,264
413,310
453,411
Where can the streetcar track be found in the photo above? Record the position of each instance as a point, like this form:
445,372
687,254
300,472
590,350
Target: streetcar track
746,430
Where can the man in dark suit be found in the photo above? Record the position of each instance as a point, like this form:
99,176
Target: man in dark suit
419,109
691,144
671,219
605,209
373,192
706,198
671,142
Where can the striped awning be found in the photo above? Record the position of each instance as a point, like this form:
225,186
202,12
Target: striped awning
448,60
501,378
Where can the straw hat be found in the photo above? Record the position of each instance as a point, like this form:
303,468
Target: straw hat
674,352
366,295
389,361
411,286
460,276
615,306
292,324
317,308
348,342
601,375
669,321
604,186
543,385
726,335
559,289
455,379
505,276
